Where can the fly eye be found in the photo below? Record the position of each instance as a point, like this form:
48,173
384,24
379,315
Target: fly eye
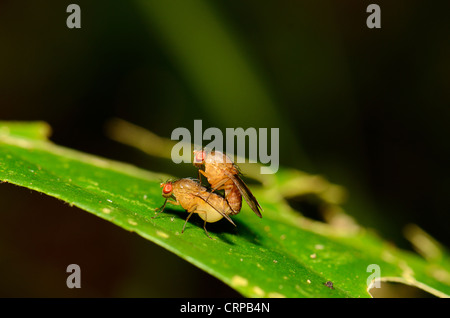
200,156
167,188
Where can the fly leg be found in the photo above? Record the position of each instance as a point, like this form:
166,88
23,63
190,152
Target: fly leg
187,219
194,209
204,227
217,186
204,224
160,209
200,173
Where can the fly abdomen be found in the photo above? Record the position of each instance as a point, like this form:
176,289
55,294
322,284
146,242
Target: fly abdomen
234,198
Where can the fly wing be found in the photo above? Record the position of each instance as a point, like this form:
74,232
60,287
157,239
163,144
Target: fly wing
246,193
218,211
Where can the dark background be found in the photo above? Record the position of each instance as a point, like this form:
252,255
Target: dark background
366,108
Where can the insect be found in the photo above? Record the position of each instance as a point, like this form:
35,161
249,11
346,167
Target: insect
195,198
223,174
329,284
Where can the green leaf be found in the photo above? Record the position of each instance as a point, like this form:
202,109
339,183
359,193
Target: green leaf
281,255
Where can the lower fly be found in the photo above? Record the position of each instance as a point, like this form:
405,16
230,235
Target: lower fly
195,198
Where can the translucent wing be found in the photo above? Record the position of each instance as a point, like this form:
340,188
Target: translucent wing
246,193
218,211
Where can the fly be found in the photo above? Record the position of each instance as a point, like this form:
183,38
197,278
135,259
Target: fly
195,198
223,174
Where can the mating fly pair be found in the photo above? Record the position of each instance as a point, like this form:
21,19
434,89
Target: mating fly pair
222,174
